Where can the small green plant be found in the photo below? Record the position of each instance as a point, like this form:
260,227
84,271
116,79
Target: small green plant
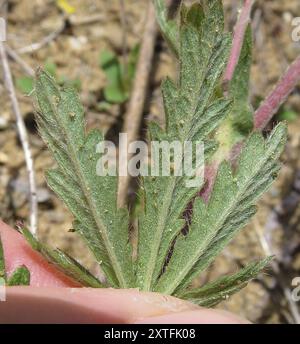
168,259
25,84
119,76
287,114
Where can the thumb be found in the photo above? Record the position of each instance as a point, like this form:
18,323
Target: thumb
17,252
102,306
85,305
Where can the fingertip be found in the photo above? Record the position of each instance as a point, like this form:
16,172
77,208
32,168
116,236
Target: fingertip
17,252
202,316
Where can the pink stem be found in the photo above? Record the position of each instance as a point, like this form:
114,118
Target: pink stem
263,115
278,96
238,39
269,107
211,170
210,175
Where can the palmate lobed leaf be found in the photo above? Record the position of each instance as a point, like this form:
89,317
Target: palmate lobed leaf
167,260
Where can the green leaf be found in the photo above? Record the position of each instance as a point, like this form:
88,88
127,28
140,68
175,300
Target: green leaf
190,116
215,292
2,265
115,91
71,83
242,112
239,123
63,262
287,115
168,257
230,207
128,71
115,94
91,198
20,277
169,27
51,68
119,76
25,84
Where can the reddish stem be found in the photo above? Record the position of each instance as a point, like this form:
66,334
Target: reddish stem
210,175
238,39
278,96
272,103
264,114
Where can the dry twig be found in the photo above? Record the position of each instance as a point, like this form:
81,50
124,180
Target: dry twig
44,42
22,135
133,116
16,57
124,33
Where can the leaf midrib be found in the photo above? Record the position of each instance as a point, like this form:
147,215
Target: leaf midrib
158,235
164,217
182,274
101,227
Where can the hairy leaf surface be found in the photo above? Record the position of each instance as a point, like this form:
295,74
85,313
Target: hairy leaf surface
172,250
20,277
215,292
169,27
91,198
63,262
239,123
230,207
191,115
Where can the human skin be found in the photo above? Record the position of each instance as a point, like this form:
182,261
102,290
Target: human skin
54,298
